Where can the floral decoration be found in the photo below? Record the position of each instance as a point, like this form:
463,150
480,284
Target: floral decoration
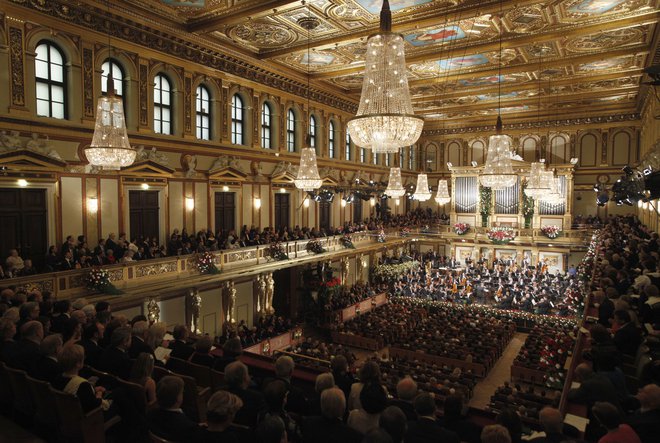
551,231
381,236
500,235
394,271
97,279
276,252
315,247
205,263
461,228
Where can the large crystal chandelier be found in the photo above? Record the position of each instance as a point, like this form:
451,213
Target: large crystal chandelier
498,170
385,120
442,196
110,148
537,182
422,192
308,177
555,196
395,187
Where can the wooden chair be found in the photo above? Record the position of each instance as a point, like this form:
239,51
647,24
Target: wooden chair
176,365
135,415
194,399
202,374
46,419
6,393
218,380
78,427
23,406
160,372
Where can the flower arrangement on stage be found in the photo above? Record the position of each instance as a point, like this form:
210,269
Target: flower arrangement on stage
551,231
346,242
501,235
394,271
315,247
97,279
276,252
461,228
381,236
205,263
405,231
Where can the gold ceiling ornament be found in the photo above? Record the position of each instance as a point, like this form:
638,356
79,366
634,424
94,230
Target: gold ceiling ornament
110,148
442,197
422,192
385,120
395,187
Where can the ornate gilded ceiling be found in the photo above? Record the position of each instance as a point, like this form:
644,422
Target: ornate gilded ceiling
562,56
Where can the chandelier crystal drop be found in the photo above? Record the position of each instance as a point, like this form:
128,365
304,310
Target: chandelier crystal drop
555,196
442,196
498,170
422,192
385,119
308,178
537,182
395,187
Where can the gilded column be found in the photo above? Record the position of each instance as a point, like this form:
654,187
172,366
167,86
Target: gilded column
17,63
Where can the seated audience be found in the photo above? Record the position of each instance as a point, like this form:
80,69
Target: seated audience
646,421
427,428
393,421
609,417
202,355
115,359
373,401
495,434
71,361
454,420
406,391
168,421
141,374
238,382
221,410
329,426
47,367
180,348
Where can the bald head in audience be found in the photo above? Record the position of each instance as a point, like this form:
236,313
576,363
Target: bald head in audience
406,389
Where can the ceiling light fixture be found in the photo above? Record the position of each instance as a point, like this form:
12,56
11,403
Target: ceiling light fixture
385,120
395,187
442,197
422,192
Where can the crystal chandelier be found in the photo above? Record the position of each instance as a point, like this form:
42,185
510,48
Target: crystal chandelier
442,196
395,187
498,171
385,120
555,196
110,148
537,182
308,178
422,192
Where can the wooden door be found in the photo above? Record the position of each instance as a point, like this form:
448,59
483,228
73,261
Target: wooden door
143,212
282,211
357,210
225,211
24,221
324,215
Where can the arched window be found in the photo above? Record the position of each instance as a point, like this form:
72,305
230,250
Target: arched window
290,131
162,105
111,66
266,128
363,155
237,136
312,133
50,77
347,154
331,139
203,113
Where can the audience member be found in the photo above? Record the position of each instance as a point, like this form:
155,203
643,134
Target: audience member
168,421
329,427
426,428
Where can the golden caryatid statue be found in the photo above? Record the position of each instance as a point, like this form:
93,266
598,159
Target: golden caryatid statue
231,302
360,267
194,309
345,268
270,293
153,311
261,284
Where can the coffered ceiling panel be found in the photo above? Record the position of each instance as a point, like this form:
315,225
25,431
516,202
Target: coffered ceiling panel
568,56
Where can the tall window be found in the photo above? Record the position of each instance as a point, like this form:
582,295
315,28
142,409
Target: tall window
312,133
266,128
203,110
237,119
347,154
331,140
111,66
162,105
363,155
50,80
374,158
290,131
388,159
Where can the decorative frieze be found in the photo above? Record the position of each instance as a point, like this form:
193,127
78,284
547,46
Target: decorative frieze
17,69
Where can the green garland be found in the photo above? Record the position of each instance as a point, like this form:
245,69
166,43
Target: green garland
528,203
485,200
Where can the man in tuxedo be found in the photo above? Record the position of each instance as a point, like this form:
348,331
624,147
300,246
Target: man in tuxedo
114,359
61,314
27,348
99,257
168,421
180,349
628,337
67,263
406,391
138,345
553,426
254,404
646,421
329,427
296,400
46,367
91,336
426,428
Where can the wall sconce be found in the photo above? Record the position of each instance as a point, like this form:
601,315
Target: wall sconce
93,205
343,203
22,182
225,188
372,201
257,203
306,202
145,186
190,203
282,190
397,202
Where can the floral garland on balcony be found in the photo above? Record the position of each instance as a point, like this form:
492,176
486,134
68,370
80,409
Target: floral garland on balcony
404,232
315,247
394,271
205,263
501,235
381,236
275,252
551,231
346,242
461,228
98,279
